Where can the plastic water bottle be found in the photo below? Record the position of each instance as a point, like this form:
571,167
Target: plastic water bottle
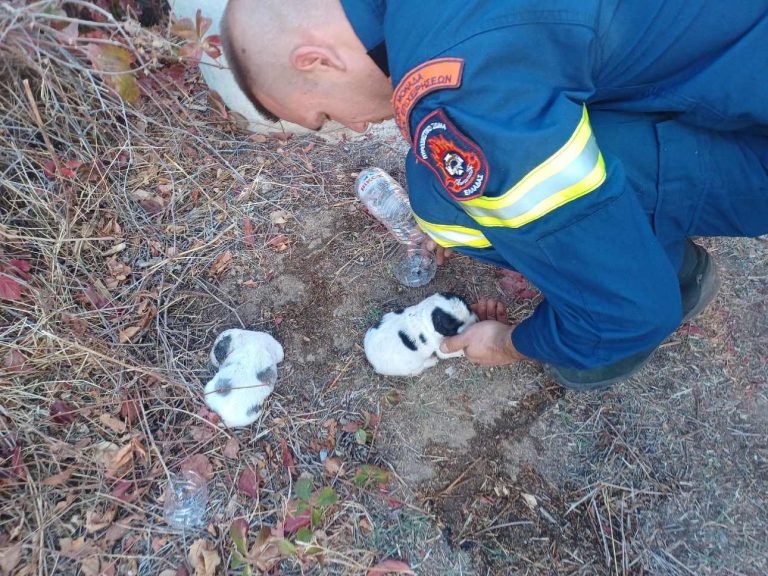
186,500
388,202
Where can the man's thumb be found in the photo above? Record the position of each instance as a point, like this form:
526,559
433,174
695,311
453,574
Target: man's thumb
451,344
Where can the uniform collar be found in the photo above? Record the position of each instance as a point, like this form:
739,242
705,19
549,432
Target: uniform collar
367,20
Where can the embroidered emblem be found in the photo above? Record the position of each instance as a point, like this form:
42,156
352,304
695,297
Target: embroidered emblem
432,75
456,160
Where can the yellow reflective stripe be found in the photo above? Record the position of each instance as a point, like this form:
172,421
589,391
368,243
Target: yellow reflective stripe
449,236
573,171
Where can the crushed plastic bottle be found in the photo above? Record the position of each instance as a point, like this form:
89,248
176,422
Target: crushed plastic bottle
388,203
186,500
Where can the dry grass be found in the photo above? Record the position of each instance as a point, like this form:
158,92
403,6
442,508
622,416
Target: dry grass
105,350
141,255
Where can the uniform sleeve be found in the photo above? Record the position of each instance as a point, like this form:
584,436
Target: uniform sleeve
509,156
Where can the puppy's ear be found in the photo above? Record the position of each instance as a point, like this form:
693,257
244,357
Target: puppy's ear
444,323
221,350
453,296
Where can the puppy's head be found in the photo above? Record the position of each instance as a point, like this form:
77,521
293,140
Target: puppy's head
450,313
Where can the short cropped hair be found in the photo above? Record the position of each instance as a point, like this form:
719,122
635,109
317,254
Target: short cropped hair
238,69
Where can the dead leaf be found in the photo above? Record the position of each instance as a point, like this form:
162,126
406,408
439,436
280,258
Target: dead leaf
249,482
152,204
220,264
9,558
93,296
119,272
113,423
78,325
10,289
204,557
200,465
124,457
287,458
201,433
60,478
248,233
129,410
95,521
62,413
91,566
530,500
115,62
265,553
128,333
14,362
279,243
231,448
390,566
332,466
278,217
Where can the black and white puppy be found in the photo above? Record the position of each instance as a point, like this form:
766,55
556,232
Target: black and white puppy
407,342
247,372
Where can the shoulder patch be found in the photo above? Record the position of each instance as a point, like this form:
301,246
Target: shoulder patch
458,162
432,75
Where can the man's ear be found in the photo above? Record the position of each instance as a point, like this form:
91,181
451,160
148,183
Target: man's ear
309,58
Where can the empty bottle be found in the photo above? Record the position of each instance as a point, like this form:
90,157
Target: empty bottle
389,204
186,500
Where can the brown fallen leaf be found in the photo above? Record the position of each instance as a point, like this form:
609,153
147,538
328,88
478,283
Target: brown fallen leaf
265,553
60,478
204,557
124,457
279,243
249,482
220,264
200,465
112,423
332,466
129,410
201,433
278,217
95,521
390,566
152,204
128,333
62,412
14,362
231,448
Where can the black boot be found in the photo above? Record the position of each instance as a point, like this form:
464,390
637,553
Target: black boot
699,283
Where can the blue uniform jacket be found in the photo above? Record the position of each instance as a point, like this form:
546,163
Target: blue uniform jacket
497,100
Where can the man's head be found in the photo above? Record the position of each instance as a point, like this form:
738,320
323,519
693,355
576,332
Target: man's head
301,61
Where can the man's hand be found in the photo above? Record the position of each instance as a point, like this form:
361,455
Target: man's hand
489,342
440,253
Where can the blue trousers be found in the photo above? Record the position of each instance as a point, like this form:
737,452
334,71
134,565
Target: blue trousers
691,181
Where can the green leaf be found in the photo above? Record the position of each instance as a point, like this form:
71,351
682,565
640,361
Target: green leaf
238,532
302,507
317,517
326,497
304,535
304,489
361,436
286,548
362,476
236,561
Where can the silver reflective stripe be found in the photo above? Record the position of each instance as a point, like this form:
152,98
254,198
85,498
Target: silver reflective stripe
567,178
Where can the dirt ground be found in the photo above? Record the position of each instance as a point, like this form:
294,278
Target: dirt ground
662,475
161,224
